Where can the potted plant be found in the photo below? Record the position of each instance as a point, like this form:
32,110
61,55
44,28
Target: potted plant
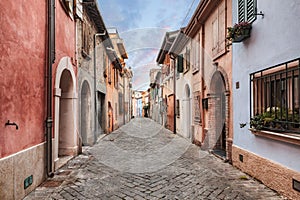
239,32
274,119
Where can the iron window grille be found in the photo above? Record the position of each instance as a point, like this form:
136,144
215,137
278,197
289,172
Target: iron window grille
275,96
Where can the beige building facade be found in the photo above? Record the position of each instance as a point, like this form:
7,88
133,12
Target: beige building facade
211,79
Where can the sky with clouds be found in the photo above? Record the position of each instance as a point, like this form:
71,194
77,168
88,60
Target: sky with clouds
142,25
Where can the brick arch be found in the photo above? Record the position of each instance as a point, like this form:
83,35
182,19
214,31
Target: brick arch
219,88
225,79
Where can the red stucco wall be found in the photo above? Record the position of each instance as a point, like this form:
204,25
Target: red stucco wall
65,35
65,45
22,74
23,43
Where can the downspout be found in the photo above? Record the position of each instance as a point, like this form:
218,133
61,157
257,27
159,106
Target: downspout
51,59
175,69
95,84
202,37
174,87
124,90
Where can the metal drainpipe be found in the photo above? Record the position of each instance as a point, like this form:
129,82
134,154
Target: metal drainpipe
51,59
95,83
174,86
202,37
174,96
124,90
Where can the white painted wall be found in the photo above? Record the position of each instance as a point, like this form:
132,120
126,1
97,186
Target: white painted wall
274,39
183,124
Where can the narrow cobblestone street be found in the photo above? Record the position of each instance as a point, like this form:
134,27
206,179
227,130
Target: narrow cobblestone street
142,160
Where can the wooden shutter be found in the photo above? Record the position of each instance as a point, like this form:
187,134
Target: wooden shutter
251,10
188,58
180,63
241,10
246,10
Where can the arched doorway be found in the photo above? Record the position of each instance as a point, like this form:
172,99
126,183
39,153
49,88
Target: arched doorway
187,112
65,113
66,128
218,112
85,114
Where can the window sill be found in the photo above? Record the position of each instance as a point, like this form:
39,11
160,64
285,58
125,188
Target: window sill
283,137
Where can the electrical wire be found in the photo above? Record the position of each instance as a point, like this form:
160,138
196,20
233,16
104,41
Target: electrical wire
188,12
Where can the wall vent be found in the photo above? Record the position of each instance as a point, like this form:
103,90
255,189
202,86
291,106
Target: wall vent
296,185
241,158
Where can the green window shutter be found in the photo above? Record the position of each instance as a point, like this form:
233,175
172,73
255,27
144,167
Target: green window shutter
251,10
246,10
241,10
180,63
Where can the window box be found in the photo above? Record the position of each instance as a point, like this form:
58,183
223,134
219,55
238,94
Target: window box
239,32
271,121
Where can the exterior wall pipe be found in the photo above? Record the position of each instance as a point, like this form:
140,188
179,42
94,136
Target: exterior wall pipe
50,61
95,83
174,86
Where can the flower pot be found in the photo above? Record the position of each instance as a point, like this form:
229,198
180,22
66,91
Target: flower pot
242,34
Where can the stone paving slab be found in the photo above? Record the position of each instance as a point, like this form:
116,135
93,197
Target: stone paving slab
142,160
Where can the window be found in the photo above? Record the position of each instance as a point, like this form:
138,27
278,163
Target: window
180,63
187,60
275,97
219,31
195,53
116,78
197,111
177,110
85,39
246,10
120,103
109,65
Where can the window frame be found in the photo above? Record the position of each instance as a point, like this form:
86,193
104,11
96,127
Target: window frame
275,91
187,60
86,32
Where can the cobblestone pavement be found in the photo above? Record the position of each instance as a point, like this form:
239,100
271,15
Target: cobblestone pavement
142,160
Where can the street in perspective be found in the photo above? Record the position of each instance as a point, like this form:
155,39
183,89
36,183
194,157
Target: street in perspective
142,160
150,99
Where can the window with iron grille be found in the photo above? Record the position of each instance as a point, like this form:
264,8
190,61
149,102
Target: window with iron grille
246,10
275,98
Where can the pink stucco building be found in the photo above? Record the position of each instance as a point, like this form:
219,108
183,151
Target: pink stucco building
38,85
